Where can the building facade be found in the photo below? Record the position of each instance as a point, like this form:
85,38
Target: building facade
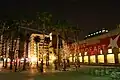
103,49
41,50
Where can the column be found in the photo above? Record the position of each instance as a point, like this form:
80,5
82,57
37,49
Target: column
115,52
105,55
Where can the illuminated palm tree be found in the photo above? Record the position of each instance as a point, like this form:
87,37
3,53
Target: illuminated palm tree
24,38
37,40
7,35
3,39
47,40
76,37
65,30
62,32
44,21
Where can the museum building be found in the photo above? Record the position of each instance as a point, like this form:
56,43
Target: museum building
101,49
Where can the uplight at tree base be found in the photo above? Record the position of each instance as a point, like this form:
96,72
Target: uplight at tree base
52,58
33,59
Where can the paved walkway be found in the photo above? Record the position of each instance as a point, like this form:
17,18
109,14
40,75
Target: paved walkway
33,75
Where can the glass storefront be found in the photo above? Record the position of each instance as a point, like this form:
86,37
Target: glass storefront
110,58
119,57
80,58
100,58
85,59
92,59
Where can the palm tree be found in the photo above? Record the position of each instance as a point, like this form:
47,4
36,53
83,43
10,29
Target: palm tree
37,40
24,39
7,47
61,28
47,40
5,40
14,35
3,24
27,35
44,21
76,33
65,30
14,31
11,50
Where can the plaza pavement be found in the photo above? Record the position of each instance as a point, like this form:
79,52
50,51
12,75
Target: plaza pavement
33,74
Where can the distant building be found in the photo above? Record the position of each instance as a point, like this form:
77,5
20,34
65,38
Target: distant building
44,50
42,45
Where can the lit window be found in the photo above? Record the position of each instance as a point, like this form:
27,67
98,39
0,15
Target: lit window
103,30
79,54
96,32
70,58
99,31
109,50
106,30
80,58
110,58
85,53
100,51
119,57
100,58
88,35
85,59
92,59
91,34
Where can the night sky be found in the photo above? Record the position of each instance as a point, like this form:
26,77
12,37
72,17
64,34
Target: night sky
89,15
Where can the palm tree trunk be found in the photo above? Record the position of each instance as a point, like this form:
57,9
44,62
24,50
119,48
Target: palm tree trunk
15,51
26,52
24,65
2,41
19,56
73,58
58,51
6,53
37,53
47,59
11,54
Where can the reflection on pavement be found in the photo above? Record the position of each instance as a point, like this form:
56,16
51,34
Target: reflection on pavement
31,79
29,74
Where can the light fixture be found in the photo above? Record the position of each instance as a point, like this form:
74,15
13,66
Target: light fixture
34,59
